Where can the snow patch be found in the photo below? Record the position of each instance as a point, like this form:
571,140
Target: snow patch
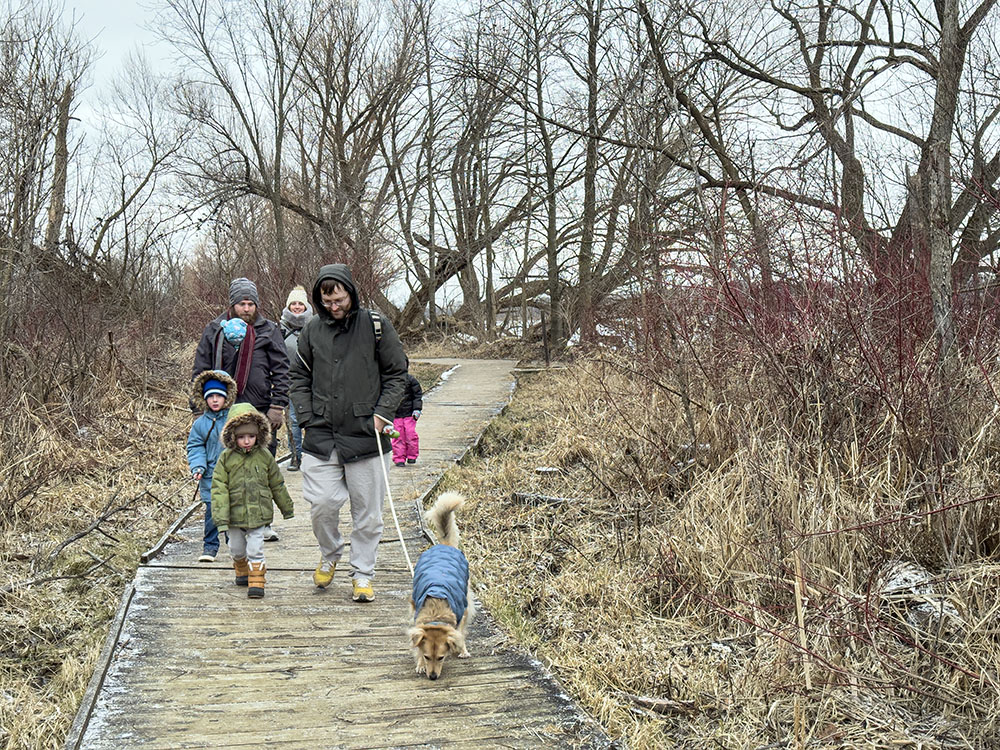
908,589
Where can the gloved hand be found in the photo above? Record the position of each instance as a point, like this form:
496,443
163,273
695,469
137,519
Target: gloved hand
275,415
385,428
416,414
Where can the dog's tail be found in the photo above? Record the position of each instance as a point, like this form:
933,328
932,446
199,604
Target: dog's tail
441,517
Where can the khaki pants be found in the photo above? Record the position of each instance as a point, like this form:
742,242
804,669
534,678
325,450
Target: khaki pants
326,486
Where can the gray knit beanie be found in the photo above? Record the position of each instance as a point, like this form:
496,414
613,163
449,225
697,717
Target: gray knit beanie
241,289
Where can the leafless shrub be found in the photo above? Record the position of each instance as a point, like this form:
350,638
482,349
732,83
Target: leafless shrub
86,485
733,580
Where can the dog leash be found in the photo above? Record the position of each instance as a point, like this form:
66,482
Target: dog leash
390,431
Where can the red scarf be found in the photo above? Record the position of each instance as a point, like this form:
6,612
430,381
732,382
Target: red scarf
244,357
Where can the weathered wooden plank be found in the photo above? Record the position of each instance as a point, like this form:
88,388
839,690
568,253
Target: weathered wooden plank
348,658
243,685
330,739
365,711
270,633
390,665
343,724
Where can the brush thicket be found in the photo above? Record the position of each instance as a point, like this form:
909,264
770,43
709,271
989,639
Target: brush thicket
774,574
118,454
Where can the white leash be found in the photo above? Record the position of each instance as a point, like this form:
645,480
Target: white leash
392,505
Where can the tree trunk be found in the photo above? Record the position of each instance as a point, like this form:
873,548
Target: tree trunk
556,336
429,161
938,200
60,161
585,296
491,310
937,177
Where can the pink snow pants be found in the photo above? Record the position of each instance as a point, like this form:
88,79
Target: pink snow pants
407,445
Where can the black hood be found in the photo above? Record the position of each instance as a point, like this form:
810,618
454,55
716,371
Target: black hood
338,272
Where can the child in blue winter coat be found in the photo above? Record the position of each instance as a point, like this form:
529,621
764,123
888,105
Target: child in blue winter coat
216,391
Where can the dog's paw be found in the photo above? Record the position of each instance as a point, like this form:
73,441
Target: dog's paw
465,654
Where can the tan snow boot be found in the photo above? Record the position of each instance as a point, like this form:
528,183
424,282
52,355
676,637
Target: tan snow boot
256,580
242,571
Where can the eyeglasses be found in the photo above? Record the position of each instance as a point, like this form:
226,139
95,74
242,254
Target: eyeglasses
336,303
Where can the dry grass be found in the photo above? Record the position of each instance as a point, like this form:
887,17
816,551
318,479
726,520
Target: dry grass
502,347
427,374
729,588
123,459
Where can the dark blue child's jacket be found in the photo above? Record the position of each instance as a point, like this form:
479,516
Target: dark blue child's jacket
413,398
442,572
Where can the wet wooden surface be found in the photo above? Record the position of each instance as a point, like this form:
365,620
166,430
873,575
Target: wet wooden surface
199,665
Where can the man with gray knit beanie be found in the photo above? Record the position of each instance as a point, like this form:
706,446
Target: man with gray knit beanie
258,363
243,289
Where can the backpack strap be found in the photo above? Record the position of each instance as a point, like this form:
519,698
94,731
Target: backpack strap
377,325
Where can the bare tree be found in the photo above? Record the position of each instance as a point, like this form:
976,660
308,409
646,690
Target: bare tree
539,26
362,71
60,169
591,12
238,87
40,69
821,72
141,147
429,162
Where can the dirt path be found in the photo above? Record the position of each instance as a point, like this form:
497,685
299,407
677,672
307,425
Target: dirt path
193,663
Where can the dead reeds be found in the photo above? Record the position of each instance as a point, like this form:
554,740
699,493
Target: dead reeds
738,585
84,489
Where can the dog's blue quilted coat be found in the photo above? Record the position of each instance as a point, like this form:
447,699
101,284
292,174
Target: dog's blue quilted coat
442,572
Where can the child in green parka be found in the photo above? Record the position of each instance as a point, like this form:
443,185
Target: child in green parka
246,486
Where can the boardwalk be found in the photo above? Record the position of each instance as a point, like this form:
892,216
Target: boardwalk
192,663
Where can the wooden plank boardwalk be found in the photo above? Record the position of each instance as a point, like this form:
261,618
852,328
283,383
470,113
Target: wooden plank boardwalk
192,663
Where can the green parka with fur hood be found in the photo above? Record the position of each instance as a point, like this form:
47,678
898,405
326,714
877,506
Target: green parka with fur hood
342,376
246,486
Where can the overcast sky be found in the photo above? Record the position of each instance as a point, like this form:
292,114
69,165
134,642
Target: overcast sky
114,28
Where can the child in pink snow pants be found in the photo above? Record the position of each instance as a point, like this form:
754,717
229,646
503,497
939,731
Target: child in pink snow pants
406,447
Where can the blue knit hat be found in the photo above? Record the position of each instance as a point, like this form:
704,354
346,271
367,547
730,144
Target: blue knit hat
235,330
214,386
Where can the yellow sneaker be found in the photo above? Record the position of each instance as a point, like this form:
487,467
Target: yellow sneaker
324,574
363,591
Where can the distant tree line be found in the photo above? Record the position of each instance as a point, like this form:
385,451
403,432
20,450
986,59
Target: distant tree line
503,160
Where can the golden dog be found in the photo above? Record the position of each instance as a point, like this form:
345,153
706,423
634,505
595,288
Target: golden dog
442,599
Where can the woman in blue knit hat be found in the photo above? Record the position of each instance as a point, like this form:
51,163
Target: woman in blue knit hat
215,392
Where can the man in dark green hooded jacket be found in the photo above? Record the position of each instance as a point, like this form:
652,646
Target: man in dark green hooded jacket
347,379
